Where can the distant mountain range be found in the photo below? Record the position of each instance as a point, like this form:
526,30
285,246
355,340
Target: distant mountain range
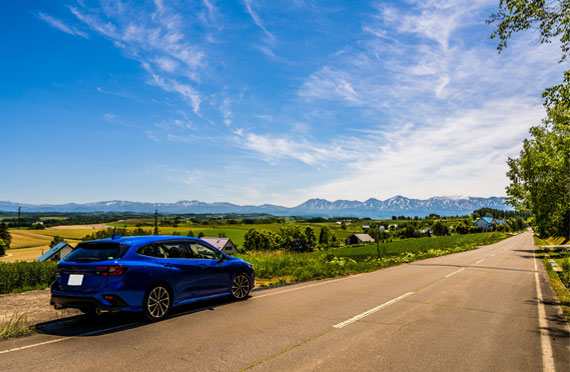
374,208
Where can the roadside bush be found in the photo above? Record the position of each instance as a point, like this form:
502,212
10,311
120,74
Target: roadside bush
17,276
440,229
260,240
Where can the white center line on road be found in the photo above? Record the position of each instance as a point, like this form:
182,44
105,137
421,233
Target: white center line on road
453,273
481,260
371,311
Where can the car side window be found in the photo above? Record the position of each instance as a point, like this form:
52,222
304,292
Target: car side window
201,251
148,250
174,250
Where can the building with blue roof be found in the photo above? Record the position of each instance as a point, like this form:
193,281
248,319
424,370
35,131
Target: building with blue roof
485,223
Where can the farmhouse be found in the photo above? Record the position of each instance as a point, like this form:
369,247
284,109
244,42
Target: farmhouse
57,253
486,223
223,244
359,239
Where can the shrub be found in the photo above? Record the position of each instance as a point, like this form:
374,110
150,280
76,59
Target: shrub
16,276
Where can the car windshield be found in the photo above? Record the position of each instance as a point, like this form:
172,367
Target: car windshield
96,251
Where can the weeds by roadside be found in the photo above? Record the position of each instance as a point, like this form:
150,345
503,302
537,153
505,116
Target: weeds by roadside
16,326
560,282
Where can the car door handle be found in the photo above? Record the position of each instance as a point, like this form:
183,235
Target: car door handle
167,265
204,267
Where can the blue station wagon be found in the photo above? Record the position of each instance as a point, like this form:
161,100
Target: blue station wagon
148,274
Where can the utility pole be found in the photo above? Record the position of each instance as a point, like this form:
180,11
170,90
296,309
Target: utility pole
378,242
19,209
156,222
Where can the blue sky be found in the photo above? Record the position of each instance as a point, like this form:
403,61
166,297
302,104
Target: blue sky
260,101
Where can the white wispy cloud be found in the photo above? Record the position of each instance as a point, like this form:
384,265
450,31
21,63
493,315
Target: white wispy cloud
58,24
257,20
272,148
452,110
156,38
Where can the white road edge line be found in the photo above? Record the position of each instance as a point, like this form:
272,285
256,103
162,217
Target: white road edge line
453,273
371,311
547,358
34,345
63,339
481,260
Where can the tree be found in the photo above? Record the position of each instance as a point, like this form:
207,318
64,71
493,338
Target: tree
3,246
55,241
201,234
259,240
5,234
440,229
326,237
461,228
540,176
190,233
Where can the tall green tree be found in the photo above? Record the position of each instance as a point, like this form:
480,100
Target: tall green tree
5,235
540,176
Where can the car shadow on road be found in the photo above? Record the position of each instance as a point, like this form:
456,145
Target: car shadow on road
106,323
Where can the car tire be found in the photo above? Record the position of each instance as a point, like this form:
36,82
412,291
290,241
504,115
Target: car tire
241,285
157,303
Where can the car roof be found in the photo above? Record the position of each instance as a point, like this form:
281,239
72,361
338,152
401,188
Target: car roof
136,240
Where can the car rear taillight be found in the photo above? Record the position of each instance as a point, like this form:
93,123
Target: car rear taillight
110,270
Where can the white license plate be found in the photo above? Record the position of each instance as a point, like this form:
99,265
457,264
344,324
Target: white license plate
75,279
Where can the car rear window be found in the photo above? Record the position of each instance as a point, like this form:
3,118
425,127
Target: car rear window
96,251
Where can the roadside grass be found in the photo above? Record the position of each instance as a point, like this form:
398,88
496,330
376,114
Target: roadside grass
560,282
16,326
283,267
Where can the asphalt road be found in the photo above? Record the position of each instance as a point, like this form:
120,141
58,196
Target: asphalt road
473,311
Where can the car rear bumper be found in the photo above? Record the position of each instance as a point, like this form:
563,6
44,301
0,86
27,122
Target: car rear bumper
64,301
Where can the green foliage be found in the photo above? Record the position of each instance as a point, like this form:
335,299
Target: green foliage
440,229
284,267
16,326
56,240
260,240
540,176
109,232
549,17
190,233
201,234
327,238
461,228
5,238
3,247
17,275
293,238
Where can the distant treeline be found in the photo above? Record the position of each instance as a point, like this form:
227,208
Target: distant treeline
500,214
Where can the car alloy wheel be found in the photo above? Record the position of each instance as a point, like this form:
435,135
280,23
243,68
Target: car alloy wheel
157,303
240,286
